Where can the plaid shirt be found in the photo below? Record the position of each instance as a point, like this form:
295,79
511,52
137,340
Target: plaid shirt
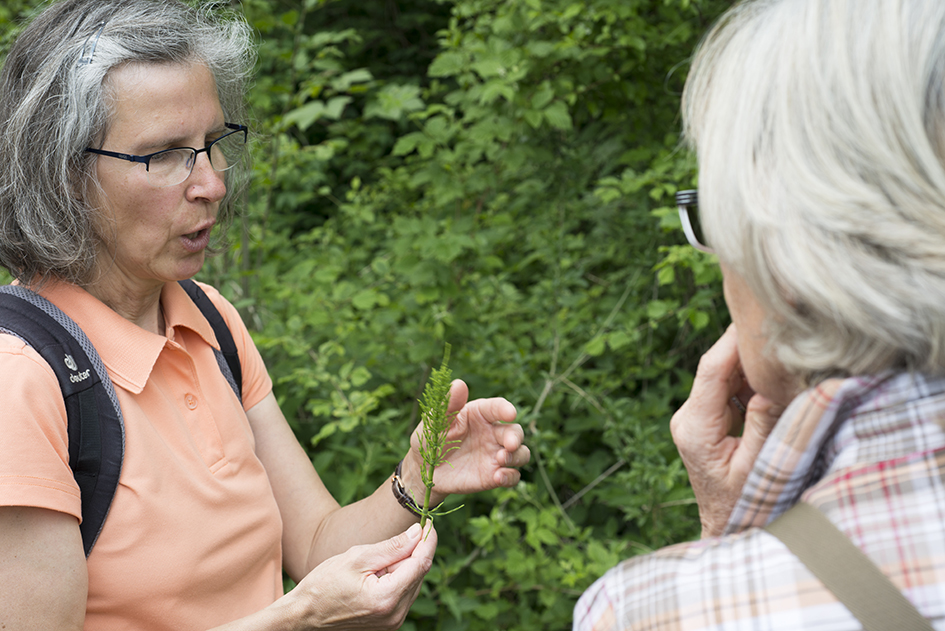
867,452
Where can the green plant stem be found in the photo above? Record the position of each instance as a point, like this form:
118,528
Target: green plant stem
426,503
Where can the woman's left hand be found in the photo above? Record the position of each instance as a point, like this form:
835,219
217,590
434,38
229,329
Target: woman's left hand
488,454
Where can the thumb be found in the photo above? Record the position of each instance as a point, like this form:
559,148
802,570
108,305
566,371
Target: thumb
459,395
411,570
390,551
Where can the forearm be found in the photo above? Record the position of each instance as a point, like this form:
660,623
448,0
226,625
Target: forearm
286,614
372,519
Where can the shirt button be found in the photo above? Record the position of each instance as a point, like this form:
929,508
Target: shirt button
191,401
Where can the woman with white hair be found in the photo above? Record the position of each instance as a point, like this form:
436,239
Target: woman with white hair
819,127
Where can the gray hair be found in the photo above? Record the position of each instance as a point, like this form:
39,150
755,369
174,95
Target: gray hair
819,127
53,105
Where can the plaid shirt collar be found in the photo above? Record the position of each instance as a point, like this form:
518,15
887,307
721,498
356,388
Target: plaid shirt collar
809,435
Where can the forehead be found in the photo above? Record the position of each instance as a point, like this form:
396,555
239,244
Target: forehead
162,98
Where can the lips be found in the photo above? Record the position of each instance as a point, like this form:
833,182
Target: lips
197,240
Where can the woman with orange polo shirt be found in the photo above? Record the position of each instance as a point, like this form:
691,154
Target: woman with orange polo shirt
121,143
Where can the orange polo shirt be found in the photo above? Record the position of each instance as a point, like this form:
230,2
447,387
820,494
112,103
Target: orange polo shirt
193,538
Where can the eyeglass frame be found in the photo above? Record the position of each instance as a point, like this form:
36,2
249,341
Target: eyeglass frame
146,159
684,201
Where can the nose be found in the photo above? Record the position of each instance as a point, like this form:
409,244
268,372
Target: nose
204,182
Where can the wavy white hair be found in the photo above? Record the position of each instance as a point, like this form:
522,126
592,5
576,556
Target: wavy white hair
819,127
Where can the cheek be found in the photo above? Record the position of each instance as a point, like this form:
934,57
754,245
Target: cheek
750,355
765,374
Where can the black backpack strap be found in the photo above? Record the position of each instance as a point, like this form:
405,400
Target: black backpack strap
230,365
95,425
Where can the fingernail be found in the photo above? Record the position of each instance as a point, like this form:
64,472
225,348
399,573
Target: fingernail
413,531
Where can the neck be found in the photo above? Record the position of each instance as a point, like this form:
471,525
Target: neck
141,307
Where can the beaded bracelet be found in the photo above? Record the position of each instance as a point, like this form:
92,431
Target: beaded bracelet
403,497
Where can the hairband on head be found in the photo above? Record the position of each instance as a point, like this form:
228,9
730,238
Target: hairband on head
88,49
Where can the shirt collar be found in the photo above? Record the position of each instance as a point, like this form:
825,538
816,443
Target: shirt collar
128,351
805,442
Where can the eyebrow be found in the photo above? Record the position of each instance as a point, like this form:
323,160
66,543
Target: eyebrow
180,141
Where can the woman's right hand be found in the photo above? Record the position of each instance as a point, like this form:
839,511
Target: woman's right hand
369,586
717,438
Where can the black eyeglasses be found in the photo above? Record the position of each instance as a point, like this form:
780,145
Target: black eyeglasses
173,166
688,204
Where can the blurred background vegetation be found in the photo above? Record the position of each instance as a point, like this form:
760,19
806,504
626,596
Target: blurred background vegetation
498,175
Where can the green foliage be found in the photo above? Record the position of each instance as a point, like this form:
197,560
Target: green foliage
509,187
500,174
13,15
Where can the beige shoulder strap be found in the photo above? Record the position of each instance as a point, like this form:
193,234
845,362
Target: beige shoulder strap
846,571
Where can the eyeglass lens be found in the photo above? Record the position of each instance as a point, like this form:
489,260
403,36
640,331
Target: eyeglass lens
171,167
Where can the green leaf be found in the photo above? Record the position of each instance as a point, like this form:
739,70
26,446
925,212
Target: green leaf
699,320
447,64
533,117
393,101
656,309
543,96
489,67
303,117
493,89
558,116
618,339
366,299
666,275
595,347
348,79
407,144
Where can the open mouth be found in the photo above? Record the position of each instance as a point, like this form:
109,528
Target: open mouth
196,241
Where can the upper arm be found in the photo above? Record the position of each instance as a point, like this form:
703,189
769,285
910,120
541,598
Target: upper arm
43,573
303,500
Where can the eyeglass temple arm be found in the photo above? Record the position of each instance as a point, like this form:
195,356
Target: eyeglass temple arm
123,156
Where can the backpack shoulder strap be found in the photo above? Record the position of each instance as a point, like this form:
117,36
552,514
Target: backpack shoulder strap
846,571
95,425
230,366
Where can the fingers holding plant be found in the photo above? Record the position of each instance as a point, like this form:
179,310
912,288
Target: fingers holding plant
490,450
369,586
472,446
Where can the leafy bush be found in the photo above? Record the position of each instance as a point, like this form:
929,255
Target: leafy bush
497,175
511,196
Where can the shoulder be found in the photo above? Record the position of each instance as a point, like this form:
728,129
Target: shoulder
745,579
34,469
224,306
17,358
30,387
256,380
201,293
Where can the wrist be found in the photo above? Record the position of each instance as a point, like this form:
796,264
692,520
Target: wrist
413,480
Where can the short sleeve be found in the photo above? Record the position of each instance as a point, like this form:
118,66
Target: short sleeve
34,467
257,384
